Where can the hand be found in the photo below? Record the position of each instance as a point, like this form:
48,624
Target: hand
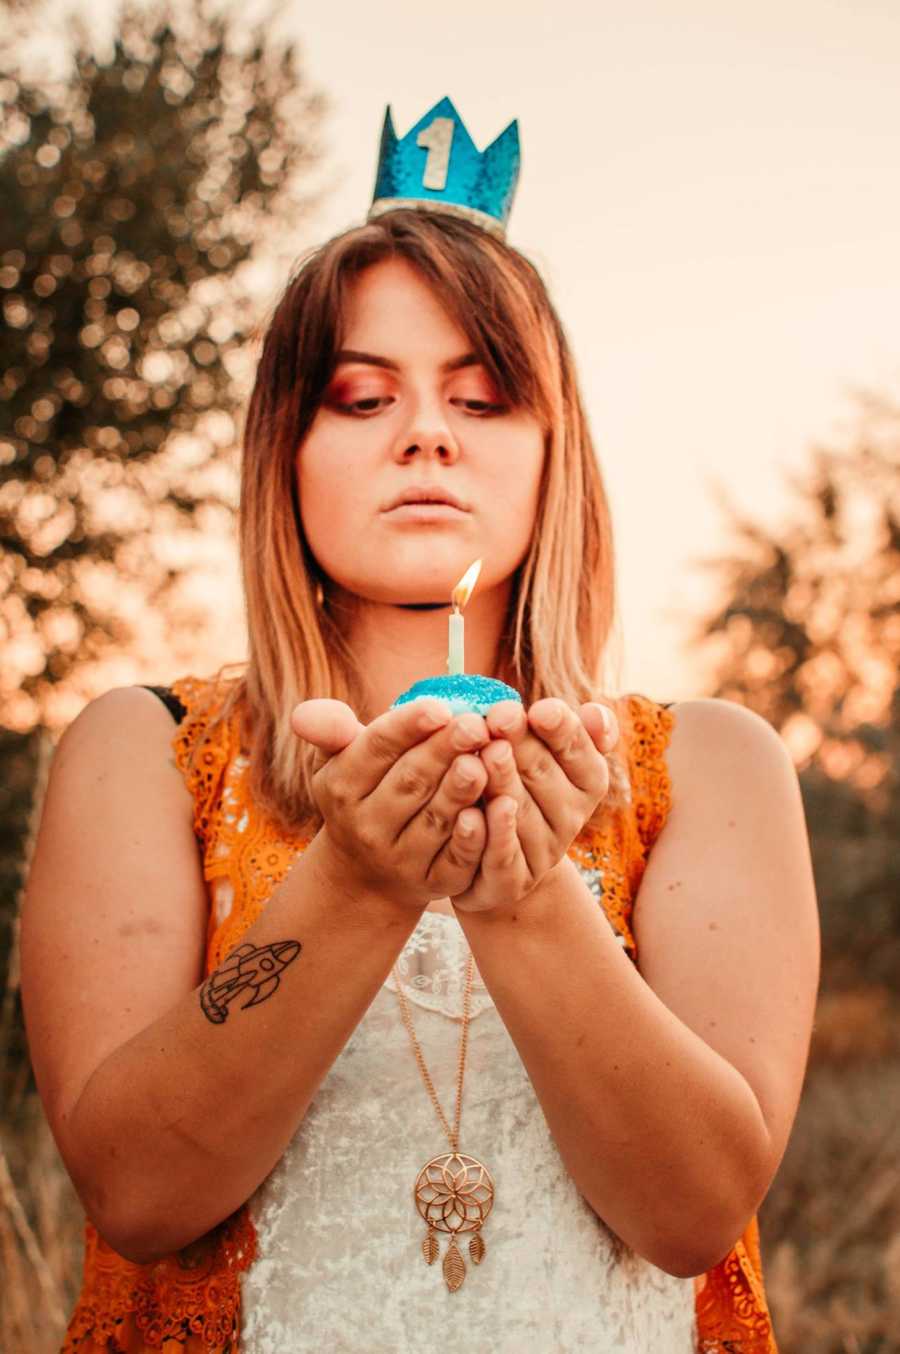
390,793
540,792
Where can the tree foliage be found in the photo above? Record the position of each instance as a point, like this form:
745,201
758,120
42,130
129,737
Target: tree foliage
808,635
137,192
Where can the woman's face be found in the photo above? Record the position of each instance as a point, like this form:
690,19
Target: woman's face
409,405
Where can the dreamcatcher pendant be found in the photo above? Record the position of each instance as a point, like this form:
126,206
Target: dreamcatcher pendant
454,1193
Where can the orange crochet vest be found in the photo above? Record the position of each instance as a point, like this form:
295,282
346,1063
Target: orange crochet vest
189,1302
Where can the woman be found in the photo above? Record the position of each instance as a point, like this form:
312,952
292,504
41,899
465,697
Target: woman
247,1051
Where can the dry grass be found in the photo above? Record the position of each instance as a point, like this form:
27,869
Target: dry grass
831,1222
40,1236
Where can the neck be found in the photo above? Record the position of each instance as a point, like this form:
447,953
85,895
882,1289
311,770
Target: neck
397,644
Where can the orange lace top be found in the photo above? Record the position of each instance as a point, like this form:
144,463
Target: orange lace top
189,1302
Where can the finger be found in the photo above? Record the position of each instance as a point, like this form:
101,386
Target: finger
572,746
329,724
389,736
502,862
499,761
506,719
457,861
503,778
415,777
601,723
428,829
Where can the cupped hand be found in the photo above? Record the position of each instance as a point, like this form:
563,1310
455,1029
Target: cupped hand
394,796
546,774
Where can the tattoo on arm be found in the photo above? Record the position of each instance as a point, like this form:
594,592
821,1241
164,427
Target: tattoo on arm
247,970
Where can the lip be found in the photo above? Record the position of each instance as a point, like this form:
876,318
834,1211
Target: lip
425,512
427,493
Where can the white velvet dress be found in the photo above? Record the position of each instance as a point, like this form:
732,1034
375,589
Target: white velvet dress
340,1265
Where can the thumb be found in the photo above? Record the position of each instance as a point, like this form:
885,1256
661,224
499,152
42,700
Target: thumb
331,725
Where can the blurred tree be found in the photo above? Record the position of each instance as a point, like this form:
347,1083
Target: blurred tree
139,195
24,763
136,193
809,637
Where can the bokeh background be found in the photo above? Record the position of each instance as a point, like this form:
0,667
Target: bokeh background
712,193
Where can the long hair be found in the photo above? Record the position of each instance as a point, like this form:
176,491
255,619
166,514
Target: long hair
561,612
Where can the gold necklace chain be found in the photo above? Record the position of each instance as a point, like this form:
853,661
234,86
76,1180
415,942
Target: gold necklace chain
453,1192
463,1043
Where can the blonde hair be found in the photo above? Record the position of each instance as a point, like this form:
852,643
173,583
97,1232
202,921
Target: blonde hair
562,603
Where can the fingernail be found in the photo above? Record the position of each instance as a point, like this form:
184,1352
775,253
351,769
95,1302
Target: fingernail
434,717
466,736
553,718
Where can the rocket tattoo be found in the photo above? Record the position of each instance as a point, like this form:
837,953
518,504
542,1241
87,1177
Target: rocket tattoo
257,971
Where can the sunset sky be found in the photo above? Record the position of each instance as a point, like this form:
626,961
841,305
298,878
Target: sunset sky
712,192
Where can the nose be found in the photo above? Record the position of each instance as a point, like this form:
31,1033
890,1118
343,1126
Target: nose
429,432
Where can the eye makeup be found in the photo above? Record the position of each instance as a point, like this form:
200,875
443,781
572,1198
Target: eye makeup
346,391
472,387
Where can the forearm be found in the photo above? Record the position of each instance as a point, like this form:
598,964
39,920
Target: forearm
662,1136
177,1127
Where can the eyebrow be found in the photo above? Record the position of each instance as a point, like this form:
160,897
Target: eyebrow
373,360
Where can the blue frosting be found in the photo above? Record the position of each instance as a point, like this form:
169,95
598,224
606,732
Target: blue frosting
461,691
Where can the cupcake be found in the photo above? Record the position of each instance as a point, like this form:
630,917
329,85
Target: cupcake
461,691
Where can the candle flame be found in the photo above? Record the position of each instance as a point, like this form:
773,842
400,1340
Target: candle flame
466,585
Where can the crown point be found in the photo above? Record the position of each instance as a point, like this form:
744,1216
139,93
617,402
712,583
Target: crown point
438,165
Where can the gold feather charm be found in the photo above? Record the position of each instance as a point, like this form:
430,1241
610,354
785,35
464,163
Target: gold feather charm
430,1248
454,1267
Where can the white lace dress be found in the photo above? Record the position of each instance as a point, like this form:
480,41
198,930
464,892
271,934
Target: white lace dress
340,1264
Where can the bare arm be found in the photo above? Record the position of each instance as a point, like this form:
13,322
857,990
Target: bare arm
671,1091
171,1098
217,1087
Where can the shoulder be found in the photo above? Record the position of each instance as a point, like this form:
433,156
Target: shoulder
118,753
719,754
717,708
122,713
642,714
708,732
125,729
177,713
699,751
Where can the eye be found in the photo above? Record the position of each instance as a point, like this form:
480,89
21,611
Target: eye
361,408
481,407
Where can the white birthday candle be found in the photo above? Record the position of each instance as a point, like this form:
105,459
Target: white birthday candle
456,654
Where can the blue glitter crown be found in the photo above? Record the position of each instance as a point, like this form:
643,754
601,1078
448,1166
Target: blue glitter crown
438,165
